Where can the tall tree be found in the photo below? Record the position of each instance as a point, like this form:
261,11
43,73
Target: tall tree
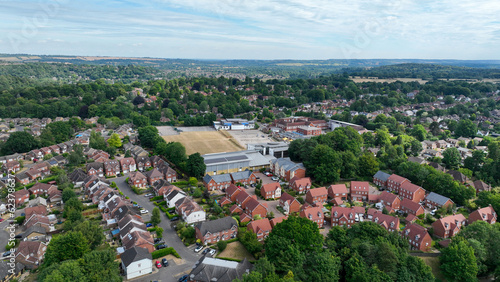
419,132
115,141
458,262
451,157
196,165
466,128
155,217
70,245
19,142
96,141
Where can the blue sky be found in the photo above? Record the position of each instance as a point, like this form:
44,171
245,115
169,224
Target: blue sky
254,29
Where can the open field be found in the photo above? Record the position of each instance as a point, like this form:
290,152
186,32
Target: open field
236,250
206,142
253,136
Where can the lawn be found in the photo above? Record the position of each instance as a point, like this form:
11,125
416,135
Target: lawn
236,250
205,142
433,262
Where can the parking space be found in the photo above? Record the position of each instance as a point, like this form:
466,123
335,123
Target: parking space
265,179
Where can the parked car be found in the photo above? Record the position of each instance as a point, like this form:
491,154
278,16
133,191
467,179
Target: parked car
164,262
158,240
212,252
162,246
149,224
161,242
1,219
144,211
275,178
198,249
6,254
183,278
148,195
158,264
205,251
174,218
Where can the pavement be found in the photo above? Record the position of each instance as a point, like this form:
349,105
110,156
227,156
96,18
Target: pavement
176,267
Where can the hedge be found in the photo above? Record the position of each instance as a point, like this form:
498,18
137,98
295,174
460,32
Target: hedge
171,209
152,229
164,252
169,215
156,198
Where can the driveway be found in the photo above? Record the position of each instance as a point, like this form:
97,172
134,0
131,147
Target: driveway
265,179
271,205
189,257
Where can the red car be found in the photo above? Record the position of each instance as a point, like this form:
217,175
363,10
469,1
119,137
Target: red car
158,264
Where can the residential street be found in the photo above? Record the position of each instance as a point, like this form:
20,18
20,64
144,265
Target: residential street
189,257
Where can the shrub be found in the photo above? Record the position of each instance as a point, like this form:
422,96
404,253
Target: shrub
156,198
164,252
221,245
20,219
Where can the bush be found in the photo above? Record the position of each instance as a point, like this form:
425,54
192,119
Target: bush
301,200
156,198
20,219
221,245
164,252
136,190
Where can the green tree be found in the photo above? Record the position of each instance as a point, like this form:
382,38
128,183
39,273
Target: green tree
451,157
148,136
419,132
70,245
368,164
155,217
434,128
76,157
324,164
67,194
174,152
466,128
221,245
101,266
159,232
458,262
115,141
416,147
68,270
196,165
19,142
92,232
96,141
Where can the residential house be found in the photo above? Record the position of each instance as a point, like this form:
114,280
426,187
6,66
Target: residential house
487,214
301,185
317,195
128,165
289,203
34,174
138,180
143,162
169,173
38,201
189,210
411,191
136,262
38,220
232,192
341,216
213,231
77,177
156,161
418,237
437,166
359,190
380,178
40,188
34,233
21,196
277,220
338,191
390,223
481,186
271,191
410,207
111,168
390,200
217,182
253,207
314,214
29,211
441,144
449,226
246,177
22,178
30,253
138,239
416,160
435,201
54,195
11,166
153,176
95,168
55,149
394,182
209,269
429,145
261,228
174,196
132,227
286,169
458,176
242,198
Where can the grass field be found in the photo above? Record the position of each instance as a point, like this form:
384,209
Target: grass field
205,142
236,250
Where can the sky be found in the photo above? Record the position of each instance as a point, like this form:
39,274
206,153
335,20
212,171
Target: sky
254,29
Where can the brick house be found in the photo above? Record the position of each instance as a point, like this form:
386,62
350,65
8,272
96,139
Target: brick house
142,163
380,178
253,208
314,214
301,185
243,197
418,237
139,239
390,200
22,178
449,226
487,214
277,220
286,169
395,181
38,220
246,177
55,149
11,166
412,192
30,253
271,191
317,195
341,216
481,186
359,190
390,223
338,191
435,201
95,168
112,168
221,229
217,182
261,228
153,176
411,207
34,174
128,165
40,189
137,179
289,203
21,196
156,161
232,191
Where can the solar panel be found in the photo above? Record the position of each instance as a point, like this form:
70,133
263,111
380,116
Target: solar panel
217,160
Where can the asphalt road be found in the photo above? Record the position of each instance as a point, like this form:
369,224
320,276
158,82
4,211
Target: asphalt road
189,257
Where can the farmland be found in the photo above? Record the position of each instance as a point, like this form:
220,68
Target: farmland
205,142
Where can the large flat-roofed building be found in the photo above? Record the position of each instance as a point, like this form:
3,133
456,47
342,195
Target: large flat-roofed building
337,123
309,130
276,149
234,124
293,123
220,163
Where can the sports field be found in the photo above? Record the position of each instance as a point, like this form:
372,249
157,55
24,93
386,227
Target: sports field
206,142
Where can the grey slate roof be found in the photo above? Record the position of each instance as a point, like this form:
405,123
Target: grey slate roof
436,198
381,175
220,178
77,175
217,225
34,228
241,175
211,269
135,254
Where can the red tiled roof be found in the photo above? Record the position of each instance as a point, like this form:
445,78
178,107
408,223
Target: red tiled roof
270,187
337,189
360,186
261,225
410,187
318,192
398,179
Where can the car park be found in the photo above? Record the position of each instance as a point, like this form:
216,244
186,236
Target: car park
198,249
164,262
158,264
